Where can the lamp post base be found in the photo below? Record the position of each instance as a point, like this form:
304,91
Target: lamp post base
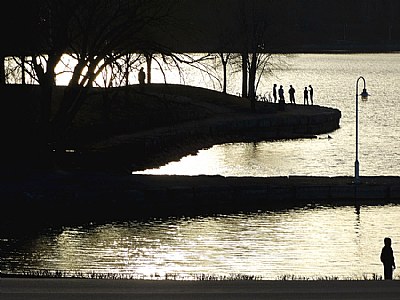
357,172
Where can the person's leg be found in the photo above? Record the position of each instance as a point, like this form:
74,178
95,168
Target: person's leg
388,272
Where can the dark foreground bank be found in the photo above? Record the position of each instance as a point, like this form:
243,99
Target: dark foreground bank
65,289
61,198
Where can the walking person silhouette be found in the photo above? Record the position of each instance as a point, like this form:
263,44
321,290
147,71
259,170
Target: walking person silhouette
387,259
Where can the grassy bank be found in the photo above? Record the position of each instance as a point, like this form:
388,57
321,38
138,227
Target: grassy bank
106,113
119,110
134,109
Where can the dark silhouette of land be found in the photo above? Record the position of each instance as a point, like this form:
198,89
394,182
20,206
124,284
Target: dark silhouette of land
138,127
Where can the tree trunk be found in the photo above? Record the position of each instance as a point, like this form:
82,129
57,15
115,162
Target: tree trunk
47,82
45,108
252,81
149,59
23,78
244,75
224,66
126,75
71,93
225,80
73,99
2,71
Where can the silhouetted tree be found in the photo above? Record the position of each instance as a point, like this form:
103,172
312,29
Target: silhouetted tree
224,61
2,71
258,35
96,33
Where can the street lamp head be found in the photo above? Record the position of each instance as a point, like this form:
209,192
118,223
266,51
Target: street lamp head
364,95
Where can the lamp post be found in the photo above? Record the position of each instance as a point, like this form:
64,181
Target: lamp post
364,96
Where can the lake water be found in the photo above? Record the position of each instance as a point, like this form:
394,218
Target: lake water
316,242
310,242
333,77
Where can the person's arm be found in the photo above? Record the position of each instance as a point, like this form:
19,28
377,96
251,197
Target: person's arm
392,256
394,264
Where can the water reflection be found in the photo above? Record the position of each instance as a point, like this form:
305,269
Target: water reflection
321,241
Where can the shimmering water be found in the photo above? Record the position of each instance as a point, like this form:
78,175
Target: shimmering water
310,242
334,79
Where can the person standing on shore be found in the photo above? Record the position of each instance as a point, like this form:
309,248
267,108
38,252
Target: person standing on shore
141,76
274,93
311,94
305,96
291,95
281,94
387,259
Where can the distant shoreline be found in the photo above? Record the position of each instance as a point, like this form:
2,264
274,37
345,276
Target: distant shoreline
338,49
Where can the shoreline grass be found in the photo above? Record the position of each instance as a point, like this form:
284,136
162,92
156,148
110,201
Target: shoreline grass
47,274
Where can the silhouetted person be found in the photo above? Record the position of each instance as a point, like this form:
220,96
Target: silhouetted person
292,91
274,93
305,96
142,76
281,94
311,94
387,259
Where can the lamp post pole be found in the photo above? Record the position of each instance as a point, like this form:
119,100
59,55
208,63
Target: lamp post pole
364,96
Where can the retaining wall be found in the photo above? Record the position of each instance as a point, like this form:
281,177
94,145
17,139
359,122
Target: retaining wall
64,198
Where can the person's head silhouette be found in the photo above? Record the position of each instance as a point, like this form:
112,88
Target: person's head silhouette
388,241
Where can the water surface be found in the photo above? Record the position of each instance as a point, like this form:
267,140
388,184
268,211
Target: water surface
310,242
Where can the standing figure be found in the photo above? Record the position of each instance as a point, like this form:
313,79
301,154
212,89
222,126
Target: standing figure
274,93
305,96
141,76
291,95
311,94
281,94
387,259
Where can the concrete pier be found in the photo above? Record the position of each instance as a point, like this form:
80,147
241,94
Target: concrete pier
79,197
